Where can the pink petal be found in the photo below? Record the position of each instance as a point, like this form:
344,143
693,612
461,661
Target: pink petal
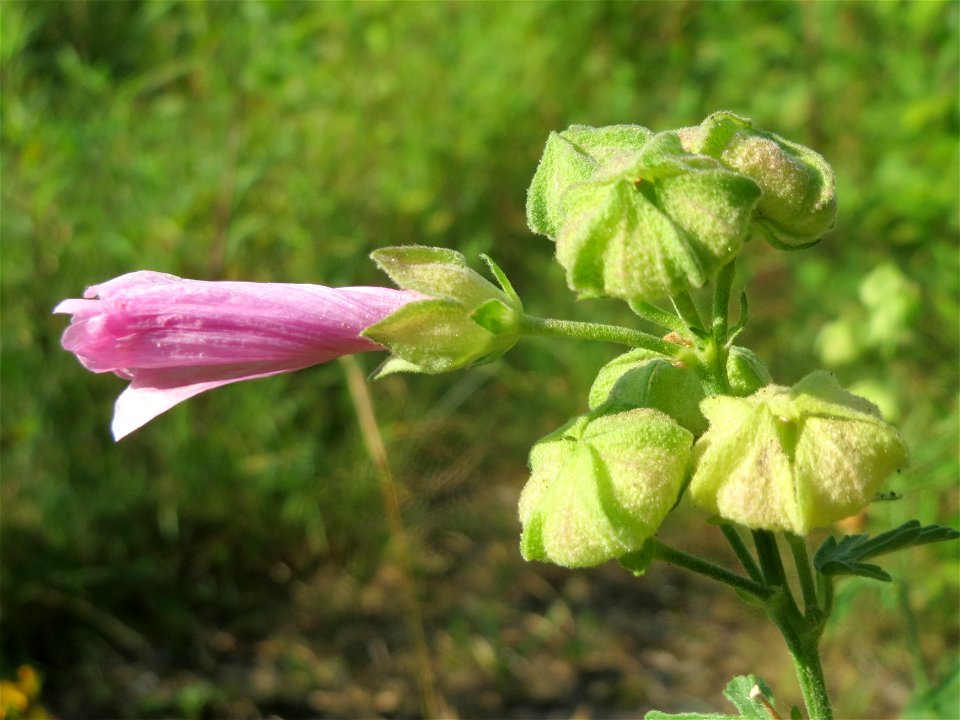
175,338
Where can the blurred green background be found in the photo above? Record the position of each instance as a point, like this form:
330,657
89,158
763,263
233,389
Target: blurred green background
231,559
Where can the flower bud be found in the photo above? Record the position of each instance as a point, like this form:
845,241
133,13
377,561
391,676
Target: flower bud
571,157
600,486
798,203
792,458
464,320
746,373
653,223
642,378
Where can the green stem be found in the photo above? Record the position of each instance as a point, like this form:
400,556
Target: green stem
825,594
802,633
804,648
769,555
595,331
687,309
798,546
721,302
649,311
743,554
702,567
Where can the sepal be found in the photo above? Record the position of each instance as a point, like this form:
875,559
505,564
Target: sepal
571,157
601,485
798,202
792,458
746,373
464,319
656,223
642,378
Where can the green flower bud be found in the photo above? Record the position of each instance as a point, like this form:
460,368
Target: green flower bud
792,458
653,223
600,486
798,202
746,373
642,378
571,157
463,321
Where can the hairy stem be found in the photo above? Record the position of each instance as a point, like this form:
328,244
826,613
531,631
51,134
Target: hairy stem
743,554
700,566
798,546
595,331
721,302
687,309
649,311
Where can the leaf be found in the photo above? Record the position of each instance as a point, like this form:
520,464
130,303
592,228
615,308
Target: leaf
846,556
659,715
743,692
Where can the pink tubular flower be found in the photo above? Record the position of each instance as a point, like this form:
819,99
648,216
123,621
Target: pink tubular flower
175,338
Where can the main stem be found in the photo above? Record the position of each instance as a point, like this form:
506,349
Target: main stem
804,648
800,630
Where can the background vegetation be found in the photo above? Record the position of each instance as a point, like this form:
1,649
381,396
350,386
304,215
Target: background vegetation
232,559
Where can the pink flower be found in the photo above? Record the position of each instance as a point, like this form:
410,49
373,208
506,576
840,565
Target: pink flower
175,338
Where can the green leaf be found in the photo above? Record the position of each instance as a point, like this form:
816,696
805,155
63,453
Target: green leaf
846,556
659,715
742,692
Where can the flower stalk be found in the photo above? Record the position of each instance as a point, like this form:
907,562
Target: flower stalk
575,330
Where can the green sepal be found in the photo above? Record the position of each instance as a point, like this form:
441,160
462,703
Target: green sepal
433,335
641,238
641,378
501,278
394,365
464,321
571,157
799,201
746,373
846,556
792,458
438,272
495,317
600,486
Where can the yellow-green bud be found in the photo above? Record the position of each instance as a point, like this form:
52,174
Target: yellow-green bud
792,458
798,202
571,157
464,320
600,486
642,378
652,223
746,373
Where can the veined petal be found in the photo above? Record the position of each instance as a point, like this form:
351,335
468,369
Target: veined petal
174,338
